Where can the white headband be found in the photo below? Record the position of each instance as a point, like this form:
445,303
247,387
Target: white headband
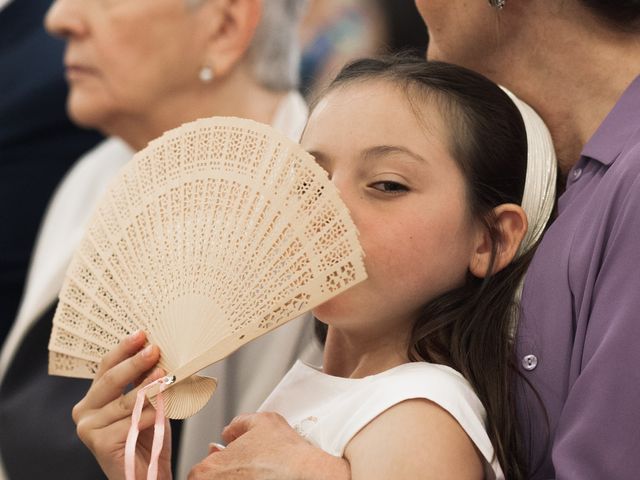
539,194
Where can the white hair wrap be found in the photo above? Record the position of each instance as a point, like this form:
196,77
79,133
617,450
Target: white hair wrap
540,185
539,193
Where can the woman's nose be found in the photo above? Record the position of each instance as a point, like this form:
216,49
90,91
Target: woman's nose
65,18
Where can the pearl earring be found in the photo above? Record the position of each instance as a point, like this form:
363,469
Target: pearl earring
206,74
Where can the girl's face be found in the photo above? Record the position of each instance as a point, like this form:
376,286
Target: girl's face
405,194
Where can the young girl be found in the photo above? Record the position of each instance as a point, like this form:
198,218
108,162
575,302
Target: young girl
431,160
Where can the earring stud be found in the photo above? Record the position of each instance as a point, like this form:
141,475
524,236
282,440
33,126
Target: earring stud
206,74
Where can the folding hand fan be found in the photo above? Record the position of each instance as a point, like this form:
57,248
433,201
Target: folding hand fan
214,234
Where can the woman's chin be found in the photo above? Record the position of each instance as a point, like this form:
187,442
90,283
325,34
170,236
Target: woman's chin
86,111
83,119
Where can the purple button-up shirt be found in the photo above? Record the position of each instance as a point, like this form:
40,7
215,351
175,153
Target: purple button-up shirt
579,334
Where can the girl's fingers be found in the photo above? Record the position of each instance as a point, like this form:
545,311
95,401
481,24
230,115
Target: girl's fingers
127,347
147,418
148,377
121,407
96,432
110,385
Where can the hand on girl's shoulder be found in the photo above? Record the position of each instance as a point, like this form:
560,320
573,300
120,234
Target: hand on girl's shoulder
414,439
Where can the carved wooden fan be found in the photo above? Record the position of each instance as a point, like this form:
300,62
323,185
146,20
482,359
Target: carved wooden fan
214,234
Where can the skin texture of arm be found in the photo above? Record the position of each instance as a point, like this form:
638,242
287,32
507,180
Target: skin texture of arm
413,439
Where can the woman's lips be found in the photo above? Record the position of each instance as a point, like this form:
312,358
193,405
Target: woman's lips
75,71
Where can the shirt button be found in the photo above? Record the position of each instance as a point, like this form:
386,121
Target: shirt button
575,175
529,362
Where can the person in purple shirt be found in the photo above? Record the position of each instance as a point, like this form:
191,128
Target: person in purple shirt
577,62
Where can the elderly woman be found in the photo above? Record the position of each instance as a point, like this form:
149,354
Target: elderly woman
136,69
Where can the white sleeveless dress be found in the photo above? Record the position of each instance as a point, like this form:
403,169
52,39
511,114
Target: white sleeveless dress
329,411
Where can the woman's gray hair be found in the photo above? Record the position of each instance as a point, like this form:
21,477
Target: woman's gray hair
274,53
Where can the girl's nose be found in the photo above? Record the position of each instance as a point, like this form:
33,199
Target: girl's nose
348,193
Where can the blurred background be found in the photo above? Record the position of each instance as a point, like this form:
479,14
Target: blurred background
336,31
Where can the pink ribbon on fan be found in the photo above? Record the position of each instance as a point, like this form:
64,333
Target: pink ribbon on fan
134,430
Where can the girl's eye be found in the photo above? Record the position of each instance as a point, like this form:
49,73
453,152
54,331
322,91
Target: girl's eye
390,187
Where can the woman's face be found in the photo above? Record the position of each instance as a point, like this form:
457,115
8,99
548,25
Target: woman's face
406,195
125,58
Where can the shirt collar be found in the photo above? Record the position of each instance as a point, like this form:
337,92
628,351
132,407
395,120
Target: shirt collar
620,124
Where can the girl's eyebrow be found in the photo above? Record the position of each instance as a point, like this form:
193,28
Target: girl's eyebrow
384,150
377,151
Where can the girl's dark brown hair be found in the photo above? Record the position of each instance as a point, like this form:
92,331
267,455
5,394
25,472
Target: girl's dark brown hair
470,328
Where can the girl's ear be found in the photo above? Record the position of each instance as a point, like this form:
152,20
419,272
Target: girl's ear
511,223
230,26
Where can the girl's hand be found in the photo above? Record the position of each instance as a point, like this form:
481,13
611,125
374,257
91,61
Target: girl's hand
103,416
263,445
